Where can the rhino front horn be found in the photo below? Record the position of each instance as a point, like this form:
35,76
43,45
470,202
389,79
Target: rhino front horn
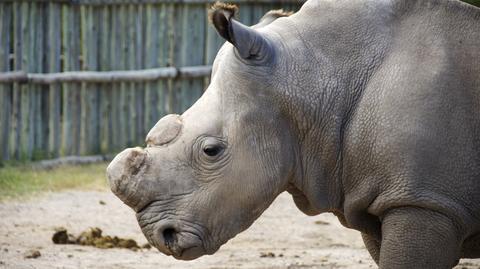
250,43
123,176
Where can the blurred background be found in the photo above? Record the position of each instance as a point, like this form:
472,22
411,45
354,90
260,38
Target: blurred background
57,96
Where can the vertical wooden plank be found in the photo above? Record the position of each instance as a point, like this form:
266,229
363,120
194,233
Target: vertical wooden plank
26,134
116,65
76,88
161,86
5,89
71,91
185,60
106,133
118,88
84,18
39,93
135,92
94,93
179,47
14,137
34,130
124,108
115,86
139,64
32,90
54,94
152,43
127,98
191,47
84,126
197,41
185,85
130,65
66,124
169,31
89,93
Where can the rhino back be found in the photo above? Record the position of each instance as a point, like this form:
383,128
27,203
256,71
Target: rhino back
414,139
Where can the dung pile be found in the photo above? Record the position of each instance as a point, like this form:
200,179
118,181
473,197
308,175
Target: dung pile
94,237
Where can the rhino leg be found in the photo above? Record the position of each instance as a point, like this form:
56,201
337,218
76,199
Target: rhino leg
419,238
373,246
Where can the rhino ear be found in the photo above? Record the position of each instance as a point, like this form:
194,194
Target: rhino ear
250,44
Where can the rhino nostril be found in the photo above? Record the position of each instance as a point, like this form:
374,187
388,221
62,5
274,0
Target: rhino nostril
169,235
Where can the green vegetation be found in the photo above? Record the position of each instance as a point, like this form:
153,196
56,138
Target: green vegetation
22,180
473,2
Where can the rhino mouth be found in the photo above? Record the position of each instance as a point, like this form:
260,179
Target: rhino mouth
182,245
173,235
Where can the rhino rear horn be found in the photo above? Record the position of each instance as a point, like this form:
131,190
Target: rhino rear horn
166,130
250,43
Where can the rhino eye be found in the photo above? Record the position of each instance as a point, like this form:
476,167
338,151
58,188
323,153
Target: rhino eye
212,150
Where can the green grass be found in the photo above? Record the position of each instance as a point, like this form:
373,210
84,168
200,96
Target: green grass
473,2
23,180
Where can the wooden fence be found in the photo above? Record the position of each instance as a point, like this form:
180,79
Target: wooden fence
61,92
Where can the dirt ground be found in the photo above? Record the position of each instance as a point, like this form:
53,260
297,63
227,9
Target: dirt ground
282,238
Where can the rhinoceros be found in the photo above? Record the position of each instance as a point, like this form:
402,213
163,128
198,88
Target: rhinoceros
369,109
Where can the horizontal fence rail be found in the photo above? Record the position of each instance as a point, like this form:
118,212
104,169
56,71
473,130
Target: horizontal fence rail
61,89
107,76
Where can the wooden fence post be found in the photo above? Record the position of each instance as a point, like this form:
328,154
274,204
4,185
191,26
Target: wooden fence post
5,89
54,94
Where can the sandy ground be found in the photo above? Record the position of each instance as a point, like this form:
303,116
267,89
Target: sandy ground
296,240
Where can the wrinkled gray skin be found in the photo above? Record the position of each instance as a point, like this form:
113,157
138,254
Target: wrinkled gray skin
369,109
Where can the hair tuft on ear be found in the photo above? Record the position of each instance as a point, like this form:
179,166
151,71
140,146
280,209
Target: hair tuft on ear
248,43
220,15
230,9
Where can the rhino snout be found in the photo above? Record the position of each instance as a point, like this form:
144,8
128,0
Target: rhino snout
124,171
